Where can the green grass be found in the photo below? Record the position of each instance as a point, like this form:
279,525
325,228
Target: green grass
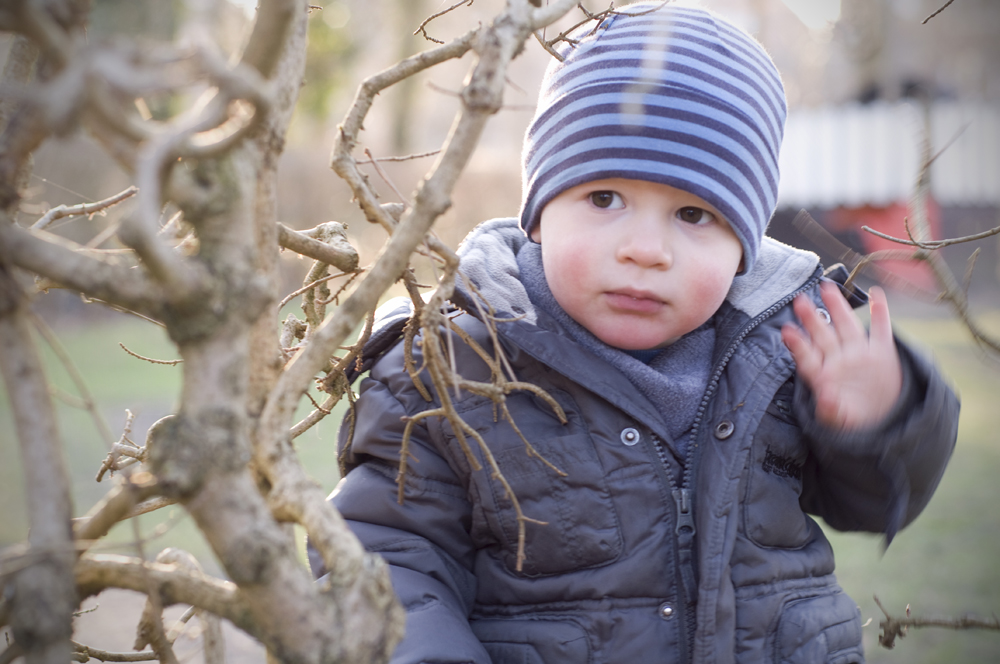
946,564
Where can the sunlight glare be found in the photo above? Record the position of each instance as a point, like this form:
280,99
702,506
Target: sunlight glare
816,14
248,6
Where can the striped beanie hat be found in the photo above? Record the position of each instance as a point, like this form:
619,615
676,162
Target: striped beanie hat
667,94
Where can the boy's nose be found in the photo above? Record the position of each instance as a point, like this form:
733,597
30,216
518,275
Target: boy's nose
647,246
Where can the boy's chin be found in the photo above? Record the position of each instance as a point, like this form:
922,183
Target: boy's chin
629,340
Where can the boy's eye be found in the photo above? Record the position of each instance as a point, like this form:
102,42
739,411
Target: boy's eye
607,200
694,215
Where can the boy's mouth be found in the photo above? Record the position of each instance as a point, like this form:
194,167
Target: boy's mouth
637,301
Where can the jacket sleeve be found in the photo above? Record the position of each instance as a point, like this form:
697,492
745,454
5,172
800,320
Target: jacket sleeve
425,540
879,480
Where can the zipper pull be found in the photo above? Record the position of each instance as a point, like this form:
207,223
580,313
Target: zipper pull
685,529
685,544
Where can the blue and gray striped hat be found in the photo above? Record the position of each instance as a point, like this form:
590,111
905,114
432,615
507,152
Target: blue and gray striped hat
675,95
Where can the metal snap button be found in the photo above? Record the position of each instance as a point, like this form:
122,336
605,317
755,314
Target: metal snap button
630,436
666,611
724,429
824,314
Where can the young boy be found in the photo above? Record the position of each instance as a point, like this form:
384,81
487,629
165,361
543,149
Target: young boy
703,422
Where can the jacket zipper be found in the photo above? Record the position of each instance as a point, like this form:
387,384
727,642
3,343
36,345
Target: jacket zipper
685,530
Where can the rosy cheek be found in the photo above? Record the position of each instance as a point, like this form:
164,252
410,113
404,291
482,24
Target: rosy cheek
565,266
711,290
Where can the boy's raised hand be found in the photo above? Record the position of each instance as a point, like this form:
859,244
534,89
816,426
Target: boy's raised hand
855,376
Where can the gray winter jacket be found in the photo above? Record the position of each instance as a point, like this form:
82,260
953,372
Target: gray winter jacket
644,556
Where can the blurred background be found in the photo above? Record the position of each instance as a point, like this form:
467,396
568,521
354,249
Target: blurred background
872,89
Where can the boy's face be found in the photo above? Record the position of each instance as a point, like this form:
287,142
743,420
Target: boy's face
638,264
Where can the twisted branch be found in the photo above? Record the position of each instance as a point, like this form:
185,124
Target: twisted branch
63,262
341,255
95,573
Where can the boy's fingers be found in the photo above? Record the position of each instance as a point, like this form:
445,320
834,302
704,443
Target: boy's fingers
881,325
846,324
808,360
821,333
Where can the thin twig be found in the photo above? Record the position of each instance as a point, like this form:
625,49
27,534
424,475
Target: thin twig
408,157
61,211
597,18
970,265
149,359
378,169
445,91
82,612
934,244
340,291
893,628
312,400
548,47
421,28
124,447
299,291
529,448
69,399
124,310
946,5
109,232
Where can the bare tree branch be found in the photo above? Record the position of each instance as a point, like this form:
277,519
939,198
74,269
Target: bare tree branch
934,244
84,209
333,249
21,129
270,30
893,628
343,163
116,506
145,507
107,656
96,572
149,631
59,260
44,597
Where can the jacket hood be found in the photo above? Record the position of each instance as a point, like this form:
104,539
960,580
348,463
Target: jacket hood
489,261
